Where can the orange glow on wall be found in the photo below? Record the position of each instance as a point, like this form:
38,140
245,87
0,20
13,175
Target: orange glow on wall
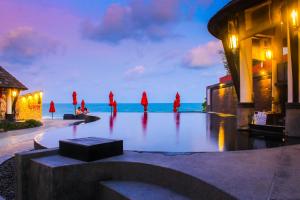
294,18
268,54
233,41
29,106
221,91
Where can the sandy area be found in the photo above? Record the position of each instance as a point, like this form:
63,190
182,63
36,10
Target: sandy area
22,140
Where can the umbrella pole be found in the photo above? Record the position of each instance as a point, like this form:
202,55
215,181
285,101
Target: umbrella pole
74,109
52,115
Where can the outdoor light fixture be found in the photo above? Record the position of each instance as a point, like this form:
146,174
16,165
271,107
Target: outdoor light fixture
14,93
263,72
233,41
268,54
294,18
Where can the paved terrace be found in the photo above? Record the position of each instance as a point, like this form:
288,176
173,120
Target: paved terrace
254,174
12,142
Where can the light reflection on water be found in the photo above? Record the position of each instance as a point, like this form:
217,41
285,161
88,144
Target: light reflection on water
163,132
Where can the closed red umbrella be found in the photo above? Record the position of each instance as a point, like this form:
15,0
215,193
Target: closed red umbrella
111,98
144,101
175,105
74,95
178,99
115,107
52,108
82,105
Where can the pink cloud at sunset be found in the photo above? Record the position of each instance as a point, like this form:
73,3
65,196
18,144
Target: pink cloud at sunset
24,45
138,20
203,56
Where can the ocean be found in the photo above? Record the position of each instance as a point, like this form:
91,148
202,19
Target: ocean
66,108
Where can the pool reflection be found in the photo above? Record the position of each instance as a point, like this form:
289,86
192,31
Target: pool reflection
221,137
74,131
145,122
177,121
169,132
112,119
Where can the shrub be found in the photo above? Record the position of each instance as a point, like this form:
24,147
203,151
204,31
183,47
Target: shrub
8,126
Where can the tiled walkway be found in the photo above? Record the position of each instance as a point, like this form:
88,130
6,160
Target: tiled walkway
22,140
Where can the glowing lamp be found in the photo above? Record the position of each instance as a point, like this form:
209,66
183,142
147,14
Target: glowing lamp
269,54
41,94
14,93
263,72
294,18
233,41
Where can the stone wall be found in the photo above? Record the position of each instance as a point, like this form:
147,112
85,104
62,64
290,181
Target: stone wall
262,93
224,100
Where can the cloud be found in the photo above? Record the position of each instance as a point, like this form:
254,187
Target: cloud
24,46
135,72
203,56
140,19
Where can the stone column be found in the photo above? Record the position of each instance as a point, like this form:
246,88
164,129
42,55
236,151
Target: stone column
208,99
292,122
246,106
9,102
277,58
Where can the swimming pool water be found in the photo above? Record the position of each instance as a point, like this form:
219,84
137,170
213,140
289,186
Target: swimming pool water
162,132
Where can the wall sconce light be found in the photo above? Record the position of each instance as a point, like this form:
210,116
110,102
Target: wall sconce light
14,93
294,18
263,72
233,41
268,54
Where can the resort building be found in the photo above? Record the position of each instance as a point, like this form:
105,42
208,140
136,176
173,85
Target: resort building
14,106
10,89
261,44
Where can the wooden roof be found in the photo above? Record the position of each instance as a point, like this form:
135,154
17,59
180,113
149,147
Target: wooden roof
9,81
217,25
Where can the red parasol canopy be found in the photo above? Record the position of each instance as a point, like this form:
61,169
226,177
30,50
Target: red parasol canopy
175,105
178,99
74,95
111,98
52,107
144,101
115,106
82,105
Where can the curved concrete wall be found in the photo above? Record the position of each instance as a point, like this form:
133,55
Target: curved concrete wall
81,181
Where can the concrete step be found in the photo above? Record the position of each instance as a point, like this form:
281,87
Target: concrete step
125,190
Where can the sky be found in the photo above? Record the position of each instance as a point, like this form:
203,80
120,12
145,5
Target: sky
124,46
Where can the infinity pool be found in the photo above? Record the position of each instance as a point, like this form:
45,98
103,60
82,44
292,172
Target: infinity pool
162,132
